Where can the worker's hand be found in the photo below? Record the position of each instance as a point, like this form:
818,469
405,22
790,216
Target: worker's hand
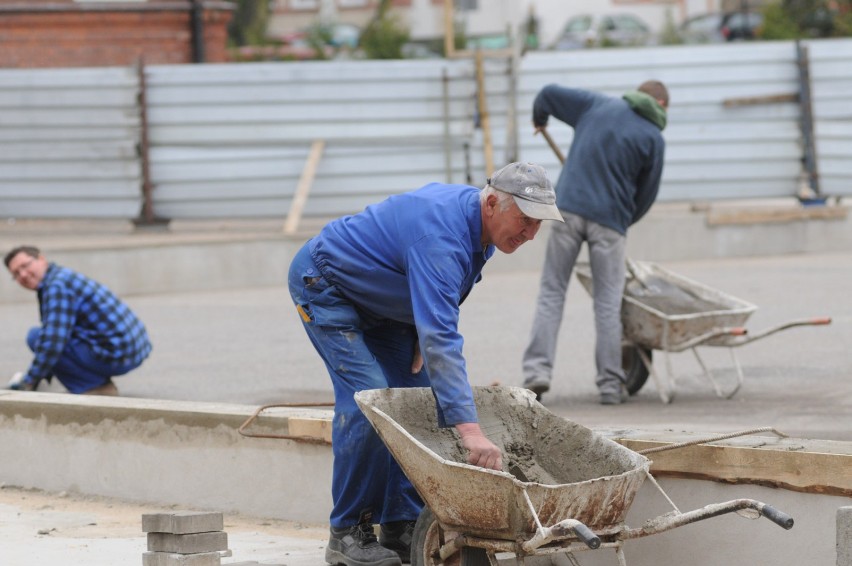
480,451
538,129
417,362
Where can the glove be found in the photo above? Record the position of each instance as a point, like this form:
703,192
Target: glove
18,383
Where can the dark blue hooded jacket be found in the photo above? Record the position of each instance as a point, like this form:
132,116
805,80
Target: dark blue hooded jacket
612,173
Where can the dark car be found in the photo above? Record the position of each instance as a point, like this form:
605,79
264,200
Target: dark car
721,27
603,31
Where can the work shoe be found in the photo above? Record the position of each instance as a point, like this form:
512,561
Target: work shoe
537,386
358,546
615,397
397,536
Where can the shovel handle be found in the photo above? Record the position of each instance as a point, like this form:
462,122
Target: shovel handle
553,145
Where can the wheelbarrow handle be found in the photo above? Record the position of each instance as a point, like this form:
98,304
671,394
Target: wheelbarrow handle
670,521
559,531
752,336
780,518
586,535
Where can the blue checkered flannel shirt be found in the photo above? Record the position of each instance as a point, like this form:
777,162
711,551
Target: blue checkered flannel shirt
74,307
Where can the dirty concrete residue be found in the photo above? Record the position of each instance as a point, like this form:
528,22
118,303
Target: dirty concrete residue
567,470
538,446
669,298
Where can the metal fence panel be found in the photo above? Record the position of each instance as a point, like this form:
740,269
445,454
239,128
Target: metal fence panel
233,140
713,151
831,77
68,143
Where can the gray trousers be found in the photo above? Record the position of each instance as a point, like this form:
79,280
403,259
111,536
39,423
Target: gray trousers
607,259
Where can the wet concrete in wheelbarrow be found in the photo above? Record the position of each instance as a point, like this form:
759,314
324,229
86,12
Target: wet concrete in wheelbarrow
571,471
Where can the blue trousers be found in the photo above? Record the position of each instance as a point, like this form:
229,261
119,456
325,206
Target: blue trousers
78,369
359,354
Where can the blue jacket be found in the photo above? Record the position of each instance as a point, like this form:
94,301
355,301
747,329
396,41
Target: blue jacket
413,258
612,173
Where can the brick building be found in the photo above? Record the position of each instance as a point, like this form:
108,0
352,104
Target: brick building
83,33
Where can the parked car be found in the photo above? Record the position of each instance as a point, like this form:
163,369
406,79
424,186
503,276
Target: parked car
603,31
721,27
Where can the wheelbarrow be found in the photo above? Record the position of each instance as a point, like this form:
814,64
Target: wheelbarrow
563,489
665,311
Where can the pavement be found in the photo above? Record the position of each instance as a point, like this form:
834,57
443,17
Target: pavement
63,529
247,346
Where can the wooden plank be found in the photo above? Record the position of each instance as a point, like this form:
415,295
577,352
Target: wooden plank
775,216
800,465
316,429
484,117
767,99
304,187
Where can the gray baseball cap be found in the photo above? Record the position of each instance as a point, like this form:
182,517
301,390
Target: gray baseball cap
532,190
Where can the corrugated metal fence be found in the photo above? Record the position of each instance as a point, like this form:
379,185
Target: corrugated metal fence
232,140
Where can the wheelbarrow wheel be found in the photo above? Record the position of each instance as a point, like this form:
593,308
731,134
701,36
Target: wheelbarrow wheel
634,370
426,541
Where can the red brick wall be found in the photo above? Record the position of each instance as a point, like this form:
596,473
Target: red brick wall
78,36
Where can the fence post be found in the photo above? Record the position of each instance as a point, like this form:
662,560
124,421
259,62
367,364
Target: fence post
807,117
147,217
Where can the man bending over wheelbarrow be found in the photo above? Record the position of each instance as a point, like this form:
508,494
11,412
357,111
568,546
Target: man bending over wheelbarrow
379,295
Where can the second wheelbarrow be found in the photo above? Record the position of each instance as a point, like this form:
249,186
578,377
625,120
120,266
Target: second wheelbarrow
662,310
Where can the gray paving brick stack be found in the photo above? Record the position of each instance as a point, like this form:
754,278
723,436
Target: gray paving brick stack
182,522
184,539
844,536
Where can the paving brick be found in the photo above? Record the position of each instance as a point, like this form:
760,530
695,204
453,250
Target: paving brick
182,522
188,544
173,559
844,536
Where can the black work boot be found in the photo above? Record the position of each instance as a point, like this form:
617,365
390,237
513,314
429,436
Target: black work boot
397,536
357,546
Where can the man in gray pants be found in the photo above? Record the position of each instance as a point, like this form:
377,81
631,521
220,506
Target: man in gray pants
609,181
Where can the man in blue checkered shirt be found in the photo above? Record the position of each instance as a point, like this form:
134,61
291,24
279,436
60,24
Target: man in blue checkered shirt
87,335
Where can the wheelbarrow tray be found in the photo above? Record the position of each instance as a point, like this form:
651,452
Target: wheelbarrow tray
567,470
664,310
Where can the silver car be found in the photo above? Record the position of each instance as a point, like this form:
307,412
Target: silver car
603,31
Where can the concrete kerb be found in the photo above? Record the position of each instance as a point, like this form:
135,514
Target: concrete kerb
190,454
166,452
215,255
